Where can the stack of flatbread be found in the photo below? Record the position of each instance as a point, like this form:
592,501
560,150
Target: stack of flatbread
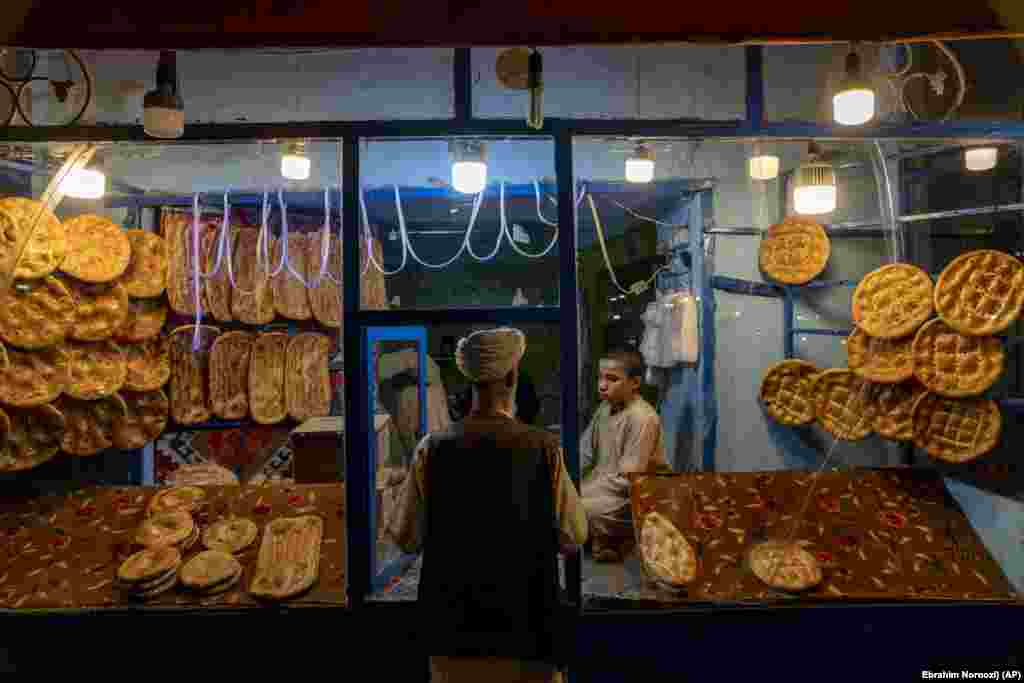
168,530
211,572
149,573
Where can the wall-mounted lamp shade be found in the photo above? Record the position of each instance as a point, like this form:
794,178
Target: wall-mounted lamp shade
764,167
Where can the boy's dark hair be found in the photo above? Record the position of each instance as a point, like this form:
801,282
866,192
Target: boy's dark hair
632,361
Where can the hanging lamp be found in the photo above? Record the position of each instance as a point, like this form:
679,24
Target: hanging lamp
815,190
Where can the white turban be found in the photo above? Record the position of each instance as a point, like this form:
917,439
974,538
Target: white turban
489,355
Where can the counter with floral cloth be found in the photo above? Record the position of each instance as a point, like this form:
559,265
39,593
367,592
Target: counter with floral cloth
878,534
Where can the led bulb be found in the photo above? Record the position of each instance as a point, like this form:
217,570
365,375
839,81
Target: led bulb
639,170
469,177
295,166
853,107
814,199
84,184
764,167
981,158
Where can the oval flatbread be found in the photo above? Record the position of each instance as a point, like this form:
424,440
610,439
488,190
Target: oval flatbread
177,233
325,299
266,378
666,552
145,320
956,430
149,364
894,409
176,499
100,309
190,396
144,420
981,292
217,289
229,375
290,298
98,249
32,378
252,301
90,424
165,529
30,229
146,274
209,568
794,251
34,438
785,566
373,294
842,404
786,392
230,535
886,361
893,301
202,474
35,314
307,382
95,369
953,364
149,564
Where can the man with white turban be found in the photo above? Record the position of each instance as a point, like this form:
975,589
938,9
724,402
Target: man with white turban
490,503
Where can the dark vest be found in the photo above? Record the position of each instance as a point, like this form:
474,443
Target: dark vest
489,584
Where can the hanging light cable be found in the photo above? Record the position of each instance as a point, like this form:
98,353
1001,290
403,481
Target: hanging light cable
815,190
854,103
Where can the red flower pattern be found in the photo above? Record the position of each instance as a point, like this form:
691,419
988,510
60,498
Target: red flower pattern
893,519
707,520
828,503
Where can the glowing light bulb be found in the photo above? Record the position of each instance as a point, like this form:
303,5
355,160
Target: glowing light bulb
764,167
295,166
814,199
854,107
640,166
84,183
981,158
469,177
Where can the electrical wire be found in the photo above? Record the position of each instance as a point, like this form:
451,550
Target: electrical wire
645,218
504,226
369,243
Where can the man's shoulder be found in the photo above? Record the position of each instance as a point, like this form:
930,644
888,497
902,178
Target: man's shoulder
642,409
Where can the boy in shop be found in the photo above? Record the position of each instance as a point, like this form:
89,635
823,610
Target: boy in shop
624,436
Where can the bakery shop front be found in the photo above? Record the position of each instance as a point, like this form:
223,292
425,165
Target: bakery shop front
765,297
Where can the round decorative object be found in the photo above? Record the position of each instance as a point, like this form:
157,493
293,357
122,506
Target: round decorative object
512,68
794,251
98,249
146,274
786,392
843,405
981,292
956,430
886,361
32,231
893,301
954,364
785,566
667,555
894,409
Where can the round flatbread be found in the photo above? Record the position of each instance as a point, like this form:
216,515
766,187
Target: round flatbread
886,361
158,588
229,375
100,309
90,424
893,301
146,274
34,438
148,565
307,382
144,420
290,298
217,289
202,474
894,409
252,300
325,299
190,397
28,227
786,392
230,535
980,292
209,568
953,364
98,249
167,529
149,364
32,378
666,552
266,378
145,320
794,251
95,369
956,430
842,404
35,314
176,499
785,566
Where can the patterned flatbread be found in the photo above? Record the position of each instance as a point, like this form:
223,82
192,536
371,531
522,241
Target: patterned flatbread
289,558
98,249
33,438
953,364
30,229
176,499
149,364
100,309
252,301
667,555
166,530
35,314
90,424
886,361
786,392
895,409
893,301
794,251
229,375
307,381
177,233
32,378
149,564
190,396
230,535
95,369
202,474
217,289
325,298
209,568
266,378
956,430
290,298
785,566
373,294
145,320
843,406
146,275
981,292
144,420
